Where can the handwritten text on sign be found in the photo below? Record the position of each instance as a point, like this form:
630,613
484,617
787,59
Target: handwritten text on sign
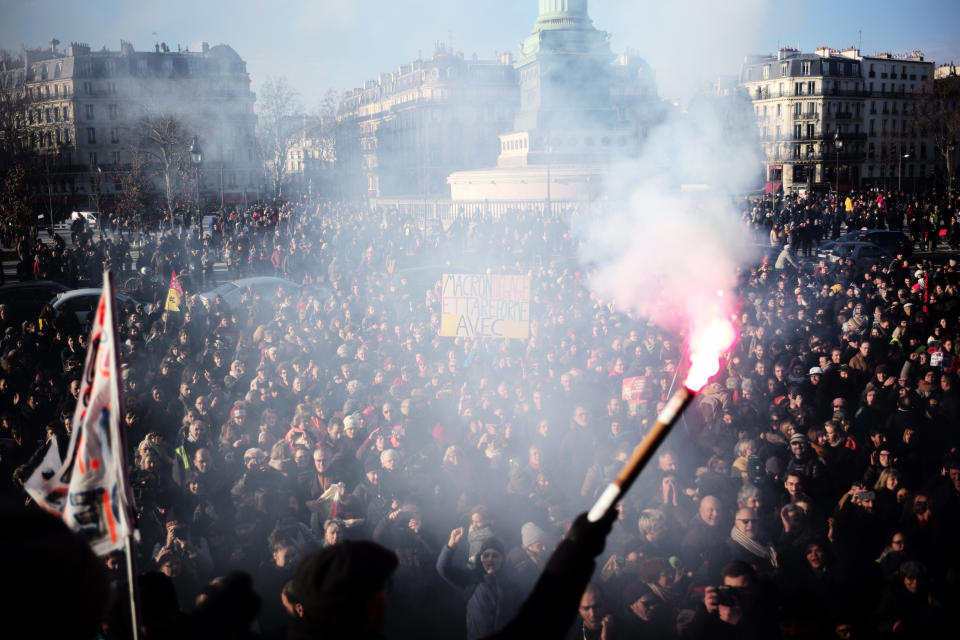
482,305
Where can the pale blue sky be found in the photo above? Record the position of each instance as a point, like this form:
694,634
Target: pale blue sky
324,44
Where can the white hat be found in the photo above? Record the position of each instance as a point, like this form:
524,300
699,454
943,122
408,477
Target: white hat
530,534
816,371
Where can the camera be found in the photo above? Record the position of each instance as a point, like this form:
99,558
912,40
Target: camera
727,596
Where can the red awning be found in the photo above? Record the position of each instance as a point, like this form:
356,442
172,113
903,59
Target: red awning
772,187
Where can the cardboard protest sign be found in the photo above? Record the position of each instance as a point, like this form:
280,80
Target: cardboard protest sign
479,305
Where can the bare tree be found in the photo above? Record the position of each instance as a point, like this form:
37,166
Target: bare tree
278,103
938,117
163,141
136,185
18,158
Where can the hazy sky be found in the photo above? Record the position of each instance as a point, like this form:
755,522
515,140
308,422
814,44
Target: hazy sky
337,44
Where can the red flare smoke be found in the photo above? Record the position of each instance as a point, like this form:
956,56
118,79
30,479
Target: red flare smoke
707,345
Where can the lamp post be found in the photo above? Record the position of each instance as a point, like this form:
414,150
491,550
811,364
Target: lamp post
196,157
838,145
901,157
548,147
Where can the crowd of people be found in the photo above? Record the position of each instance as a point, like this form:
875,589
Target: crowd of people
811,491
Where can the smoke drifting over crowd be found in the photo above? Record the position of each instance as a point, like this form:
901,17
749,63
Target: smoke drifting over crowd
669,245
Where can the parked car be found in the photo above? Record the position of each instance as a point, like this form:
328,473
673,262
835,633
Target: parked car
24,300
891,241
232,291
83,302
863,254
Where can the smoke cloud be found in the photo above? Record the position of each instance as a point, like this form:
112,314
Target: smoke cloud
669,244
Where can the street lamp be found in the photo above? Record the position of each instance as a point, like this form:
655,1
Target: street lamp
196,157
900,159
838,145
548,147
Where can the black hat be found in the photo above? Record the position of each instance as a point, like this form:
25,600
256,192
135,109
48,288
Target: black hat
494,543
333,584
634,591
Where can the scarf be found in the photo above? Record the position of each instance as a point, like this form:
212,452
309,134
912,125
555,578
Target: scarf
754,547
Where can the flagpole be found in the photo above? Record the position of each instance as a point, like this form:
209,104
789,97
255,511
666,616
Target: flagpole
122,455
132,587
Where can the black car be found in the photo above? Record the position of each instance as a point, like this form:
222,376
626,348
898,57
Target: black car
891,241
24,300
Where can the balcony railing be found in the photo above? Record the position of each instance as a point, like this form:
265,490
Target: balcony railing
827,157
760,94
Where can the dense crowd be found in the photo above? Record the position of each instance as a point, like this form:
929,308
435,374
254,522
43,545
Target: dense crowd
812,490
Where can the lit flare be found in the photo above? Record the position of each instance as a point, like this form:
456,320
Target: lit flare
707,347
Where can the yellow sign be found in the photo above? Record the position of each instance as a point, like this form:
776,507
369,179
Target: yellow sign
174,294
479,305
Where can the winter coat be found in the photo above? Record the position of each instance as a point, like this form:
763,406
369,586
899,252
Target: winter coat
492,599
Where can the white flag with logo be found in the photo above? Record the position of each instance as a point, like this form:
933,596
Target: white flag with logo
42,481
91,489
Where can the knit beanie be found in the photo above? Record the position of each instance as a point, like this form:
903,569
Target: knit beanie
531,534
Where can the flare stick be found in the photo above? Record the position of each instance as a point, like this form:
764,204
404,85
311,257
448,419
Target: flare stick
642,454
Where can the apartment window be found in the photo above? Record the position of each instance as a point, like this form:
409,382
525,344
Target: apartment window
59,136
66,113
812,87
92,157
46,115
91,135
112,88
88,88
56,91
766,72
826,67
116,157
56,114
114,135
778,110
873,127
784,68
66,136
805,67
88,111
113,111
797,131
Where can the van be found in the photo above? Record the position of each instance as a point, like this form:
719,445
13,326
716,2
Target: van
89,217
